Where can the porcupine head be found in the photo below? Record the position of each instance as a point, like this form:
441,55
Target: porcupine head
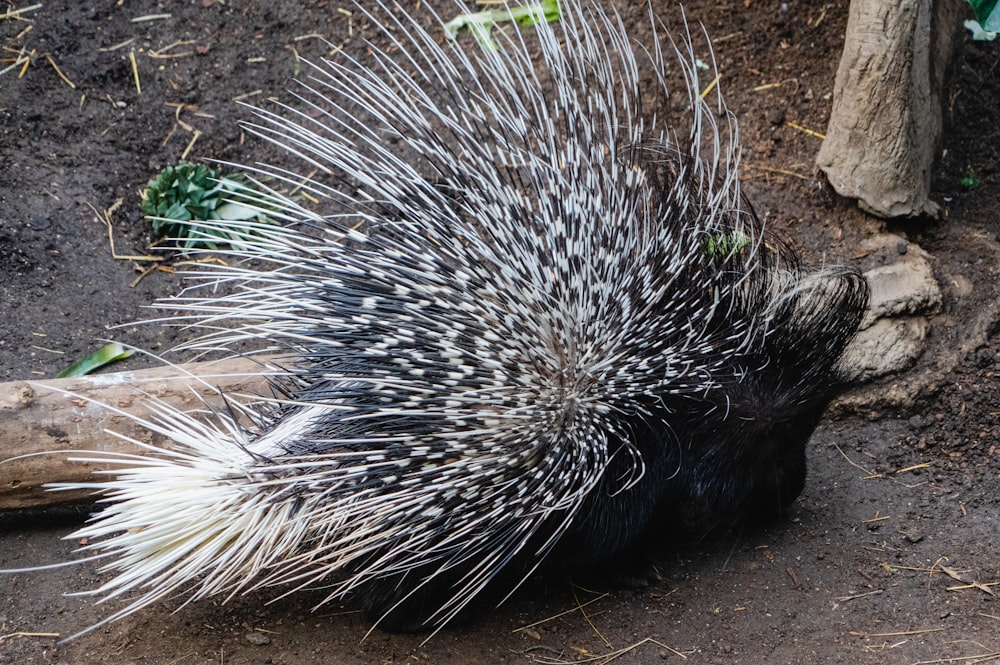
543,325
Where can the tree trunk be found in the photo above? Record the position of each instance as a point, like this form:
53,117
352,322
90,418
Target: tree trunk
887,104
41,422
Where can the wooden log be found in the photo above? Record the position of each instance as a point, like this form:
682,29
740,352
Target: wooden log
39,420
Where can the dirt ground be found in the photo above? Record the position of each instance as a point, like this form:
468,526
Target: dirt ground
891,555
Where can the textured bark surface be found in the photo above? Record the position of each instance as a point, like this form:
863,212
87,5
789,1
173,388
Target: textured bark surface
38,420
887,104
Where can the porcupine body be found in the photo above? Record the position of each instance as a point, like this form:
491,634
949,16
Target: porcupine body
547,327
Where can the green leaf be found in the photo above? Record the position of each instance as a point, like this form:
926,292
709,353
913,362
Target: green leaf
481,24
987,13
108,354
546,11
181,192
724,245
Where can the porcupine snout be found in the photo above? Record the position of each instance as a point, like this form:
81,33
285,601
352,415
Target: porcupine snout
752,436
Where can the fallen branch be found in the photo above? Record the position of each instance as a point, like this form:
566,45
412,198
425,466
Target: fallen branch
40,421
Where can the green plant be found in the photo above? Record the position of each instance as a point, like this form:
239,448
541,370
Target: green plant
481,24
723,245
179,197
987,23
987,14
971,179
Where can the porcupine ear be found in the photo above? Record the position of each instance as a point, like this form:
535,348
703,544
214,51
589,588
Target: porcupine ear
821,316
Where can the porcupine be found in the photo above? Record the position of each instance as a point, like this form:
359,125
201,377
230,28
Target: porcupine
547,329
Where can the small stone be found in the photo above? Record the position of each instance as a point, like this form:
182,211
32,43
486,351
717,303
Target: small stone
259,639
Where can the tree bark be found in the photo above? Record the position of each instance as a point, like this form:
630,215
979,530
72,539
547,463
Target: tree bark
41,421
886,120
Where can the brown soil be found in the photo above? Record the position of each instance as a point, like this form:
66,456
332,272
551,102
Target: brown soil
857,573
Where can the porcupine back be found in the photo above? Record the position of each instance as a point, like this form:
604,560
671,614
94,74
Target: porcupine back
546,327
